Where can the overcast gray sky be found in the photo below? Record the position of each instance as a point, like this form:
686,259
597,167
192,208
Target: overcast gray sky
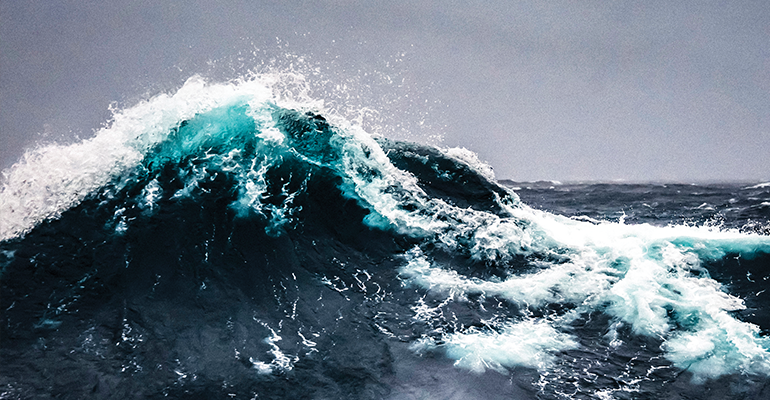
564,90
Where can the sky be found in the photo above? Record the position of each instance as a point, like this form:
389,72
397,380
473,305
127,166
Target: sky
557,90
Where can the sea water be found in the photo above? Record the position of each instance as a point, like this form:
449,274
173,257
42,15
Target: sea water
225,242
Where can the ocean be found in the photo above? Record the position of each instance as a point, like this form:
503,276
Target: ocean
224,242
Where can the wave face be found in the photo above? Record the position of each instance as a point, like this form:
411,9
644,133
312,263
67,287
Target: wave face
220,242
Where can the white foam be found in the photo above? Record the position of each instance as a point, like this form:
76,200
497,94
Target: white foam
759,186
281,361
150,195
529,343
720,345
472,160
650,278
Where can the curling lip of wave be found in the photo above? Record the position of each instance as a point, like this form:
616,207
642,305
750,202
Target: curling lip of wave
51,179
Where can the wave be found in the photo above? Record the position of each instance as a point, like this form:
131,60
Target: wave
760,186
229,172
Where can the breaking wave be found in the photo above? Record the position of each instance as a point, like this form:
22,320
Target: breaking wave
222,234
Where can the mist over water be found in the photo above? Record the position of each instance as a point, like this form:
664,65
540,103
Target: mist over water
242,239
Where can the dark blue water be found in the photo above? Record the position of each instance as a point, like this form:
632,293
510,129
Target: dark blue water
217,244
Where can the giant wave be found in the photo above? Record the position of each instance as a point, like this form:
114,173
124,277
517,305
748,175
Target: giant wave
222,241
